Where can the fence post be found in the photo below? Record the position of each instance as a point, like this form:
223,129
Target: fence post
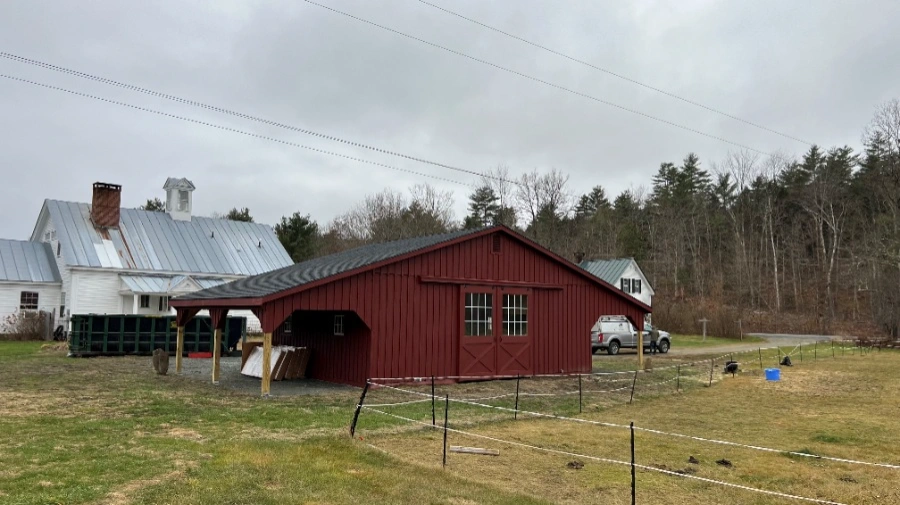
516,413
759,349
433,422
712,366
446,417
816,351
633,382
678,378
801,353
832,348
359,405
579,394
633,473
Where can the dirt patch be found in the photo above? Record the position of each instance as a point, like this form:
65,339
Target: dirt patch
122,496
185,434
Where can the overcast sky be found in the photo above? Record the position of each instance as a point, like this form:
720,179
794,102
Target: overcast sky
812,69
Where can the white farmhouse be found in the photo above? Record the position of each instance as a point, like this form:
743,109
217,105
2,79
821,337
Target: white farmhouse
108,260
625,274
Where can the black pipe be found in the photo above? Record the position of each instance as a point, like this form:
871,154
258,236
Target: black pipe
359,405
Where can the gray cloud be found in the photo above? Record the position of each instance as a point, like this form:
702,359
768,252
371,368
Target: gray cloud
814,70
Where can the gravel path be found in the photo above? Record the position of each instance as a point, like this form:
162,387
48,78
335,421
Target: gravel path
772,340
230,377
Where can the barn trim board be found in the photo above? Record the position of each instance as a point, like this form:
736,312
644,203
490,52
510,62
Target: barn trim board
402,308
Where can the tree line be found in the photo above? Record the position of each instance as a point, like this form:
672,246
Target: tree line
815,236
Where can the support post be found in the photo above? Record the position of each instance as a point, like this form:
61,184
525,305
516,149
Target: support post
266,364
816,351
640,342
579,394
832,348
179,348
446,419
678,378
712,366
760,358
516,413
633,472
633,383
704,321
362,398
801,353
217,352
433,423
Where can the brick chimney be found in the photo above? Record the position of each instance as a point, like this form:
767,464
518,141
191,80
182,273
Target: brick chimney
105,205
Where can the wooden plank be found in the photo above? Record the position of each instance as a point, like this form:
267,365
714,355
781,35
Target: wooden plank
474,450
265,386
217,351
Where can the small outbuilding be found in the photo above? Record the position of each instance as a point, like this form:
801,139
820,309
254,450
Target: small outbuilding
484,303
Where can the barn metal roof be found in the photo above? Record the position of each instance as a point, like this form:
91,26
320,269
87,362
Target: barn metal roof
609,270
26,261
153,241
321,268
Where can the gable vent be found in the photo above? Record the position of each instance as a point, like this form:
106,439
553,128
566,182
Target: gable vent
497,243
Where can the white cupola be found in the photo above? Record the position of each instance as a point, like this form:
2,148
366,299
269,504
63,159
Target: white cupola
178,198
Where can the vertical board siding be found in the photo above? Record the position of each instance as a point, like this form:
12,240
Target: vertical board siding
406,328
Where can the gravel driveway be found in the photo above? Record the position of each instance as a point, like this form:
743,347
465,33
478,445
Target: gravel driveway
230,377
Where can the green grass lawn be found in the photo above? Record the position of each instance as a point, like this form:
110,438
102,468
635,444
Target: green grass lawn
107,430
697,341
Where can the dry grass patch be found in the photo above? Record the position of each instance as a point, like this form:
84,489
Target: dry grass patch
842,408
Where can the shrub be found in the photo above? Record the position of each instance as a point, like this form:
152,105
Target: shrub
25,325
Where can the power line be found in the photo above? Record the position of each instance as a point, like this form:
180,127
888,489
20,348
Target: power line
242,115
614,74
229,129
535,79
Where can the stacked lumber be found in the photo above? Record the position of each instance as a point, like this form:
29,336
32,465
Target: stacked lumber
287,363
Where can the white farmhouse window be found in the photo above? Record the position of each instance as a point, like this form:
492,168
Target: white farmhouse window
339,325
183,201
636,286
28,300
626,285
163,303
144,302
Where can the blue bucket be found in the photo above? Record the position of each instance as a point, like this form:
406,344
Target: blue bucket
773,374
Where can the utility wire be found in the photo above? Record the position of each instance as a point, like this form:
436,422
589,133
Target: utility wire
614,74
241,115
536,79
233,130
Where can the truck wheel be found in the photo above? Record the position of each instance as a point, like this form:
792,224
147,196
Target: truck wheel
613,348
663,346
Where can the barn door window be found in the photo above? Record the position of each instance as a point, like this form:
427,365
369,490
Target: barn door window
515,315
479,314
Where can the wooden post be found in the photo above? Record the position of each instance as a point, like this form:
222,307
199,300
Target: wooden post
801,353
712,366
760,358
678,378
266,364
704,321
433,423
832,348
633,474
633,382
640,343
816,351
741,329
217,351
179,348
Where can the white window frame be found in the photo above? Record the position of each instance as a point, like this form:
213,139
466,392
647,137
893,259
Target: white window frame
515,305
286,326
636,286
142,299
339,325
478,315
184,200
625,285
163,300
29,305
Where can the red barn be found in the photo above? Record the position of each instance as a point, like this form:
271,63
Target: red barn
472,303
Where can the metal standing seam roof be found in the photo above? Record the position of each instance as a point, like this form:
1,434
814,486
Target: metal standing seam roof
609,270
27,261
321,268
148,241
160,284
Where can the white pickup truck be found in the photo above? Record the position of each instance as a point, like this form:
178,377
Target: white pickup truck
611,333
